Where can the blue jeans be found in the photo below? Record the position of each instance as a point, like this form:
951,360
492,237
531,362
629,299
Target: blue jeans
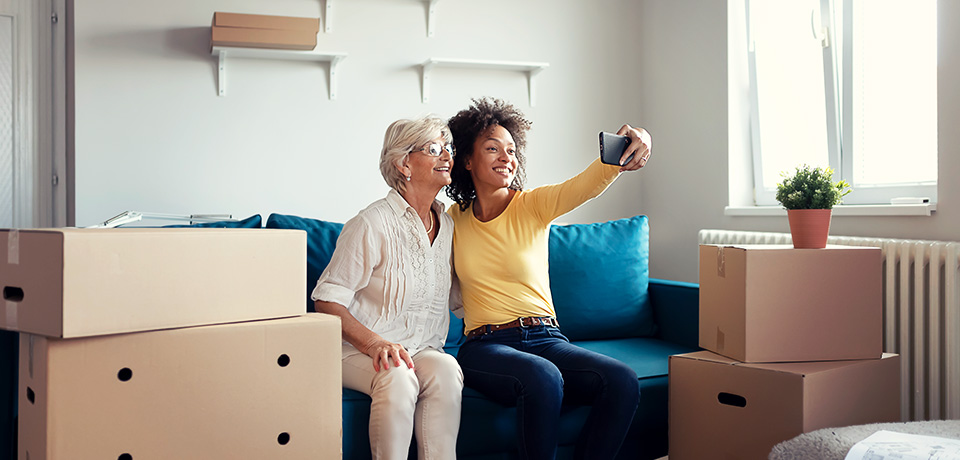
537,369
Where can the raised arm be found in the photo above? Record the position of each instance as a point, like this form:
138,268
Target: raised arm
552,201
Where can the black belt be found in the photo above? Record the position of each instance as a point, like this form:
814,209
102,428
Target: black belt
526,321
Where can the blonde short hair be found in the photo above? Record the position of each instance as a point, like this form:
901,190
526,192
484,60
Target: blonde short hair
401,138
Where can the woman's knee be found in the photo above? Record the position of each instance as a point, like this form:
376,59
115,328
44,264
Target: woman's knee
396,384
448,370
622,379
541,376
441,375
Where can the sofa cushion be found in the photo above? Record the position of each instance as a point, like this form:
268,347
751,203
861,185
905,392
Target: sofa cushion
321,241
599,278
253,221
647,356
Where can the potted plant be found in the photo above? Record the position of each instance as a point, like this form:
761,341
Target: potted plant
809,196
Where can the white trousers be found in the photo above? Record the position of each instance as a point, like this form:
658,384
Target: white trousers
424,401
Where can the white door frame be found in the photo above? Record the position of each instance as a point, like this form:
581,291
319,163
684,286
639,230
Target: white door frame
40,172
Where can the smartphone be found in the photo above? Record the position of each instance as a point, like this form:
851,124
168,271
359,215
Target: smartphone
612,147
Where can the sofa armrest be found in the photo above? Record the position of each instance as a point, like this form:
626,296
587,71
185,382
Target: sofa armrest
676,310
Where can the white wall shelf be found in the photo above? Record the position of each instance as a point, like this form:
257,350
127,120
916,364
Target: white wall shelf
530,68
225,52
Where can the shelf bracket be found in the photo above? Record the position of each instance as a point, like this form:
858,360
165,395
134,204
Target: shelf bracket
327,16
431,12
222,74
425,82
532,85
332,76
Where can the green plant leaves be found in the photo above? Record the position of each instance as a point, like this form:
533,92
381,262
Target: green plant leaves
811,188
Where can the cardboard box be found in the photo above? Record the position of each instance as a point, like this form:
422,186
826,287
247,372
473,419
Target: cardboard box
260,21
252,390
769,303
263,38
261,31
71,282
725,409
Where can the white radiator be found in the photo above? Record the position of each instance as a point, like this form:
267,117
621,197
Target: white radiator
921,315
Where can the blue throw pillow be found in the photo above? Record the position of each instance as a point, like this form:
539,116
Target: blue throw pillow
321,241
599,278
253,221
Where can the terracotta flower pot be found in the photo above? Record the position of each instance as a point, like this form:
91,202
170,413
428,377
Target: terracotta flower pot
809,227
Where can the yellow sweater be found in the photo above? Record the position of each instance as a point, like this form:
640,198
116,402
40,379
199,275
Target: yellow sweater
502,264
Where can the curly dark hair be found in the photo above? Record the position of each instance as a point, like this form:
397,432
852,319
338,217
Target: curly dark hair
470,123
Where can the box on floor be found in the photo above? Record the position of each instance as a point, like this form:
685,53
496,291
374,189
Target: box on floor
765,303
722,408
259,389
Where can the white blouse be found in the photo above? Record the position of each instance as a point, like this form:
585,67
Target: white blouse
389,276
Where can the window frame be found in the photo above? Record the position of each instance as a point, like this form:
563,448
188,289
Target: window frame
838,104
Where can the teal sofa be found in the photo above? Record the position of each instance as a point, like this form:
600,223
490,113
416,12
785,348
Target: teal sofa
605,302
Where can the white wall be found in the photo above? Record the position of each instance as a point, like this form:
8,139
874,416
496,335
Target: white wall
684,99
152,134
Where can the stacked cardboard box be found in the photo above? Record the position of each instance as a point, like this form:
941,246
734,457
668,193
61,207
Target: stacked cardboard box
169,343
260,31
794,344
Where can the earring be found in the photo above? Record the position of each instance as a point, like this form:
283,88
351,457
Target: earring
408,178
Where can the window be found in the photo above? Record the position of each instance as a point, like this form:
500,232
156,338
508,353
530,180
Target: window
849,84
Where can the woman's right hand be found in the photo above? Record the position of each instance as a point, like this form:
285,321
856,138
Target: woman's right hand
365,340
384,352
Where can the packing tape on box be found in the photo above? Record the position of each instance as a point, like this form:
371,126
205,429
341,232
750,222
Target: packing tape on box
11,315
721,263
13,247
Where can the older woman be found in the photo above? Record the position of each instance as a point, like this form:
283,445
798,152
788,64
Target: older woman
389,282
515,352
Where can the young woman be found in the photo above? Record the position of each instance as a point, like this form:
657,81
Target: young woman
515,352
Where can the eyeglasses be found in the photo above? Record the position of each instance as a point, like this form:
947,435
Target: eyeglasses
436,149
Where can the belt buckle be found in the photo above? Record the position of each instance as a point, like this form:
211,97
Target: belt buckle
534,321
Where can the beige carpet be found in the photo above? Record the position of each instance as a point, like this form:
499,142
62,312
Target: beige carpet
834,443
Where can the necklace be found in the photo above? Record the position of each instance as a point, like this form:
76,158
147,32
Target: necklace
430,229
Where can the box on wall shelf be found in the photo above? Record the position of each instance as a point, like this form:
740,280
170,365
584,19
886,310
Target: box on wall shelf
766,303
721,408
261,31
260,21
71,282
257,389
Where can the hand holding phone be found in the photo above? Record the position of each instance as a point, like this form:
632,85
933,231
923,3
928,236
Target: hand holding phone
612,147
